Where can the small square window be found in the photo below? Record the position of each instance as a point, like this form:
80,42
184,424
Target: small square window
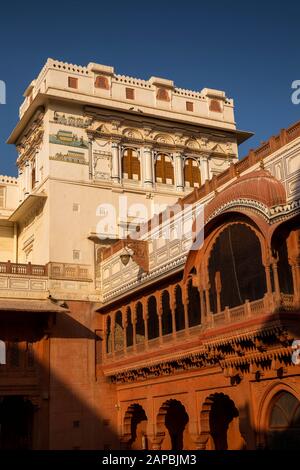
76,255
189,106
76,207
72,82
129,93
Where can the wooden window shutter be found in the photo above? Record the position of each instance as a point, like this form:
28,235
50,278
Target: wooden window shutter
192,176
164,172
131,165
101,82
72,82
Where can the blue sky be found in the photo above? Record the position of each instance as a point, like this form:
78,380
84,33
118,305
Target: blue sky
250,50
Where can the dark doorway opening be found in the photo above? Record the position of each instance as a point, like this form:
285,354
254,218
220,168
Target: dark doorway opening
16,423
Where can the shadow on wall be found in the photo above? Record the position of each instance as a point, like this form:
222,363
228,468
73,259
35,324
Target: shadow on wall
57,409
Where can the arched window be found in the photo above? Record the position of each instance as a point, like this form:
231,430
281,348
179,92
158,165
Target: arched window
129,329
140,326
164,171
236,272
108,335
162,94
192,176
131,165
153,328
101,82
119,332
179,309
167,314
284,422
194,309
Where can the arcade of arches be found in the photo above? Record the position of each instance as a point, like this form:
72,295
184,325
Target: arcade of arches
197,359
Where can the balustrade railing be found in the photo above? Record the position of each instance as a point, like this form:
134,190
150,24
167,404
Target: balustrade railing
23,269
270,303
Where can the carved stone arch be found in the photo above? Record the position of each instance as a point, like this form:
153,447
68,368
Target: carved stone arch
213,428
172,418
192,143
214,228
264,408
152,317
215,267
132,133
165,304
134,424
248,224
164,139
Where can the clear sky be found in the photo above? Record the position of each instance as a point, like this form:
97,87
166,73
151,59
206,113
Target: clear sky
251,50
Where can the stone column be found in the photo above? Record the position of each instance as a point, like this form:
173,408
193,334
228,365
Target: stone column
115,171
276,280
185,307
147,166
124,324
27,178
37,169
173,311
145,317
160,314
112,327
268,278
90,154
133,319
205,167
178,164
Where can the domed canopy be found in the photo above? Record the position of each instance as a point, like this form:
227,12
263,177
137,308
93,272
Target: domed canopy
258,186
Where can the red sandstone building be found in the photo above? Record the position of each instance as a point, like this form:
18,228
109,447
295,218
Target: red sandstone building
168,347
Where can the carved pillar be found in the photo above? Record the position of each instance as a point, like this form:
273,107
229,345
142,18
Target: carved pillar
178,171
148,166
207,300
37,168
185,307
205,167
115,170
145,318
202,305
276,279
173,309
27,178
160,314
268,279
90,155
124,324
218,286
295,268
112,326
133,319
104,350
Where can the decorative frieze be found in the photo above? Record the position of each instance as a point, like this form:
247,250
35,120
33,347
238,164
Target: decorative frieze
71,120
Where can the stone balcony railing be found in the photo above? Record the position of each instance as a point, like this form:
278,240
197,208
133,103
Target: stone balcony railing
35,281
268,305
23,269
